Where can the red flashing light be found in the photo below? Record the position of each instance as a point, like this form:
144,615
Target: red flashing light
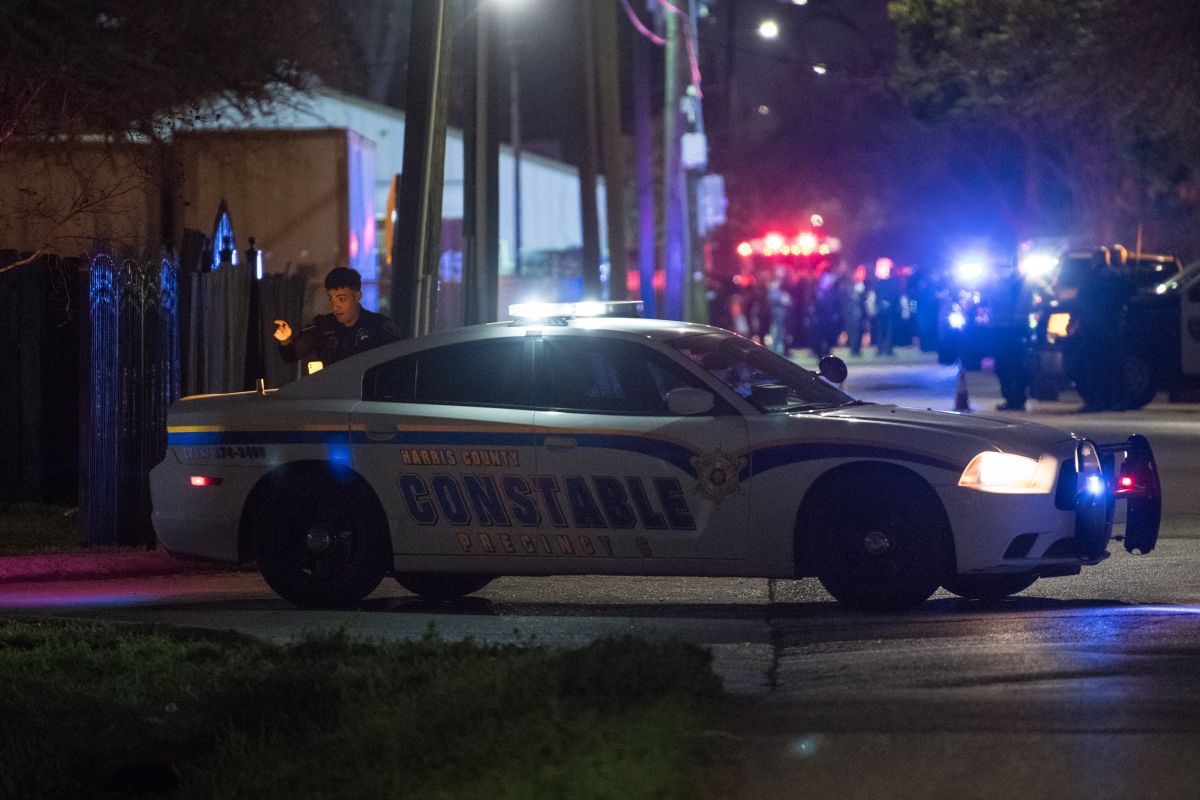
1125,484
745,249
807,242
773,241
204,480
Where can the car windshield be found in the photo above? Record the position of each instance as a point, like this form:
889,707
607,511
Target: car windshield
766,379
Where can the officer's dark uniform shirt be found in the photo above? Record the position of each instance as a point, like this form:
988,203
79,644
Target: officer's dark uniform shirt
327,340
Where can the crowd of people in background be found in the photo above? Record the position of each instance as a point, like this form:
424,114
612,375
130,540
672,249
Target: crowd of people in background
826,304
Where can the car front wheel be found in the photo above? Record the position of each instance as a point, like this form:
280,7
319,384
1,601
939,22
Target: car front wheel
888,553
322,545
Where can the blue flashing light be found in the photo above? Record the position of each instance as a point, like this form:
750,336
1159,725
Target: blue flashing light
339,454
971,271
1094,485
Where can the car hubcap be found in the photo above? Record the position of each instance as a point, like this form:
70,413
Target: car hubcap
318,540
877,543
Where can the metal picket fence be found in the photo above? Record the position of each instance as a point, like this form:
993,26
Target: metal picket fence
133,376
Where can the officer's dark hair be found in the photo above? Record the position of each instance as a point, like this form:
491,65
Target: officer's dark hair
343,278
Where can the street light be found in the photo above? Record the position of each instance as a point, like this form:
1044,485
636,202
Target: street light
768,29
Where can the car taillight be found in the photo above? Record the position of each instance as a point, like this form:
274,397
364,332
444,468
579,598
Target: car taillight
204,480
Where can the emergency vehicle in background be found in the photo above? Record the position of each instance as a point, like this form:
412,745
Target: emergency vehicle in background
1159,326
741,286
578,439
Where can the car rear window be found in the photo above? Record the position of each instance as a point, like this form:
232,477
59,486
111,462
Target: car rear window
491,372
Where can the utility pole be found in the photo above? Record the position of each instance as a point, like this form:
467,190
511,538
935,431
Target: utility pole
419,205
612,147
481,174
589,164
645,174
674,241
695,299
514,117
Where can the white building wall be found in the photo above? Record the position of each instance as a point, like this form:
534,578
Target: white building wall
550,217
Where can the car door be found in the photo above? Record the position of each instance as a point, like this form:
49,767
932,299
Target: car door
625,485
444,435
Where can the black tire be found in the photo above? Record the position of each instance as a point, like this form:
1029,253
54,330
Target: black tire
322,544
988,588
888,554
442,585
1139,384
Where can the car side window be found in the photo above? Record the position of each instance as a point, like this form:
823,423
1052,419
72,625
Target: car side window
491,372
607,376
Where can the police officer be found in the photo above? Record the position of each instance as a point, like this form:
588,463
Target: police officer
349,330
1010,314
1100,316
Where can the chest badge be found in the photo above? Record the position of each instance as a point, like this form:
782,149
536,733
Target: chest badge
717,475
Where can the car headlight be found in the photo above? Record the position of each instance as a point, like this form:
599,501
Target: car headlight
1008,473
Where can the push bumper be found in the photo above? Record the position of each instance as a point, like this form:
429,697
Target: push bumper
1105,474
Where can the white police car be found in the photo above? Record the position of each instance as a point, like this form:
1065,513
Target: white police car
563,443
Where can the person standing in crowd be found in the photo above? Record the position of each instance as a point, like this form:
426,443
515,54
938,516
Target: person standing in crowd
853,291
781,304
826,309
887,308
348,330
1010,315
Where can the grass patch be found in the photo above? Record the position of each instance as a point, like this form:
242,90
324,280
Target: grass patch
34,528
94,711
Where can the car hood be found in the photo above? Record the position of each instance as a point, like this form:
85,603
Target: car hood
1010,436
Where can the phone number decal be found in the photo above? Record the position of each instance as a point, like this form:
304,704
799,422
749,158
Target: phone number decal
219,452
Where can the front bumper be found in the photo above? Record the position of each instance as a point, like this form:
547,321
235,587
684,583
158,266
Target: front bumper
1100,476
1060,533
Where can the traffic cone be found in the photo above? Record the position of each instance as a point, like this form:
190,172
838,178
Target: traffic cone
962,402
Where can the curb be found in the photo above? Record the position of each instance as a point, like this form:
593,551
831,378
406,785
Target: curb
99,566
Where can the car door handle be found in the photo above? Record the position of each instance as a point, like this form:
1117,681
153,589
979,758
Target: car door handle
381,434
559,442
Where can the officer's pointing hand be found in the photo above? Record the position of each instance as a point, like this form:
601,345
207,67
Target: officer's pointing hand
283,331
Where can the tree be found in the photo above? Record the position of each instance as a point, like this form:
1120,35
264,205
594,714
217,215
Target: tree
122,67
1096,98
120,71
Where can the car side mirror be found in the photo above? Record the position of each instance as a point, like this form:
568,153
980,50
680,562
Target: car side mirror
688,402
833,369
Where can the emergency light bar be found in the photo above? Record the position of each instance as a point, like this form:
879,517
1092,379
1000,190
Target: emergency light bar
584,308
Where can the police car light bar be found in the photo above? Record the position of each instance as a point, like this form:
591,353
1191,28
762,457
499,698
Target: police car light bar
584,308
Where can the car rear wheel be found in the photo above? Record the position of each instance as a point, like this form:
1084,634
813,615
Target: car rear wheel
988,588
442,585
886,554
322,544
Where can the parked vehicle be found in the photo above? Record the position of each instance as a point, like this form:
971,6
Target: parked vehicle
1151,326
